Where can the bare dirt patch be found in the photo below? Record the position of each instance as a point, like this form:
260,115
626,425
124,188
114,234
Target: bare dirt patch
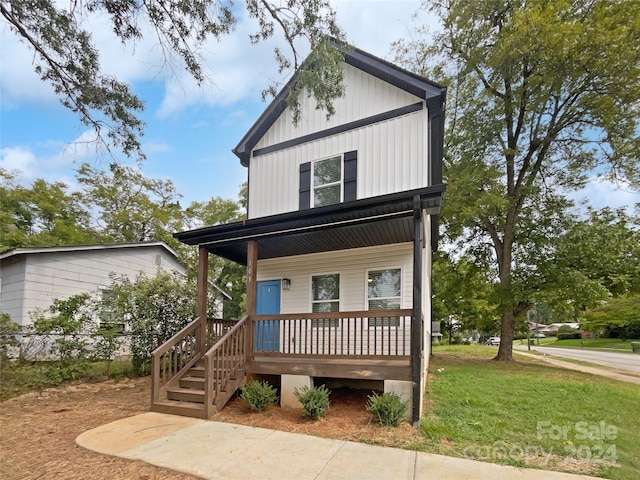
38,430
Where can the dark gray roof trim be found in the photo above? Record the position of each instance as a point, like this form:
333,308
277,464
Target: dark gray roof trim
407,81
363,122
370,221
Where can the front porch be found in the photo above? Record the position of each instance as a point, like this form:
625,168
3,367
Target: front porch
374,344
198,370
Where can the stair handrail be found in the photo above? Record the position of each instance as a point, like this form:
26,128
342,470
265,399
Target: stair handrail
208,360
159,383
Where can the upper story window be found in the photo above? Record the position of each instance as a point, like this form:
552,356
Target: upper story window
327,181
384,293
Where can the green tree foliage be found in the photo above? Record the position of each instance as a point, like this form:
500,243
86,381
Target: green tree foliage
129,206
462,295
541,94
42,214
620,316
155,308
7,338
66,57
68,324
594,258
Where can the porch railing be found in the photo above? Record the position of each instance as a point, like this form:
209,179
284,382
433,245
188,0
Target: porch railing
177,355
174,357
223,363
368,333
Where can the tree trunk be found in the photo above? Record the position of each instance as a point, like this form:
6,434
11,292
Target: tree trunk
507,329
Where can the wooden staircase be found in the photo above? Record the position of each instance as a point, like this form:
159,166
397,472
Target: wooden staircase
192,382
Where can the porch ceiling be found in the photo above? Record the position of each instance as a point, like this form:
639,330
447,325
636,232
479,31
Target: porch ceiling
373,221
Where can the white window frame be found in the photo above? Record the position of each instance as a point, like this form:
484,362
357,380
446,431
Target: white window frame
339,182
332,322
373,322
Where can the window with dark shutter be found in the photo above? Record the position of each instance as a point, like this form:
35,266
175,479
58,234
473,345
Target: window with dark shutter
305,186
350,176
328,181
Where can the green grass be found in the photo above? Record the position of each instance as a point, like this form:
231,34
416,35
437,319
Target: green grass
598,343
491,410
18,378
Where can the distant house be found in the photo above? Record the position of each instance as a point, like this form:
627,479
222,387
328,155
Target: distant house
552,328
30,278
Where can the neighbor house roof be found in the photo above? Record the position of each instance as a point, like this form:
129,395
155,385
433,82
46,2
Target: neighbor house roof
377,67
79,248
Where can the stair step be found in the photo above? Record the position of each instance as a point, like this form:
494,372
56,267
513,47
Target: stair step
186,409
192,382
186,395
197,371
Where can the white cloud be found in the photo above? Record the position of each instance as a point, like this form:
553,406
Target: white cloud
51,160
600,193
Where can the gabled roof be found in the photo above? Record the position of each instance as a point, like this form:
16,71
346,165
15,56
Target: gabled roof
81,248
377,67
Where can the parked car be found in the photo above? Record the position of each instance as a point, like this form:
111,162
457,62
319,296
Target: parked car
539,335
493,341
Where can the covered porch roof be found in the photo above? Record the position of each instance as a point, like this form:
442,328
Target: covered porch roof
367,222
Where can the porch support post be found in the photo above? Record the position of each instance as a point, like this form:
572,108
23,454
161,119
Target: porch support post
252,268
201,298
416,320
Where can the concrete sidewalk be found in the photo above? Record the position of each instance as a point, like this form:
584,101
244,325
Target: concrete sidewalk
221,451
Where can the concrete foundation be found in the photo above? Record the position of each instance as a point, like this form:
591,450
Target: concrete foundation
404,389
288,384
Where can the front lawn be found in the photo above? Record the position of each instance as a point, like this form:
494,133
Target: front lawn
530,415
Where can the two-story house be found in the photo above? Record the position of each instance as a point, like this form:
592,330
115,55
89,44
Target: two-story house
342,218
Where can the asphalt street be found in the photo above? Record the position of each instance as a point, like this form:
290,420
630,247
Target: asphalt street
621,361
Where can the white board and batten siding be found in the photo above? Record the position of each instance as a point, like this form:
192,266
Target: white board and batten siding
352,265
392,154
32,281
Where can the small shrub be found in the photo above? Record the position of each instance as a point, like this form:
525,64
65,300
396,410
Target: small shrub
258,395
388,408
315,400
569,336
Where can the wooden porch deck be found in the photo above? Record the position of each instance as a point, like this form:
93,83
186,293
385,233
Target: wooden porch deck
199,369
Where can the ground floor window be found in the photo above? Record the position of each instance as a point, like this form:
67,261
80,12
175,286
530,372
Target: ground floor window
384,293
325,297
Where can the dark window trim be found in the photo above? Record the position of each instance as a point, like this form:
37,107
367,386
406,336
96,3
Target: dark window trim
363,122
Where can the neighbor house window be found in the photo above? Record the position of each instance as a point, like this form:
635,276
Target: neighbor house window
325,291
107,315
384,289
327,181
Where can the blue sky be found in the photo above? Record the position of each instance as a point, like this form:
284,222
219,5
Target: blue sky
190,130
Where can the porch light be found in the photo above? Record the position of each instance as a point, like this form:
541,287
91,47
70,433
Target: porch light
286,284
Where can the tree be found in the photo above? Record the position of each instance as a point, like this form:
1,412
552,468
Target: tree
594,258
619,315
66,58
542,93
155,308
69,322
42,214
129,206
462,295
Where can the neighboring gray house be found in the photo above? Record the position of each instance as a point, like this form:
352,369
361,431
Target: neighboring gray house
30,278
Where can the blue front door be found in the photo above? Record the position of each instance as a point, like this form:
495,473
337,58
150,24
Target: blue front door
268,301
